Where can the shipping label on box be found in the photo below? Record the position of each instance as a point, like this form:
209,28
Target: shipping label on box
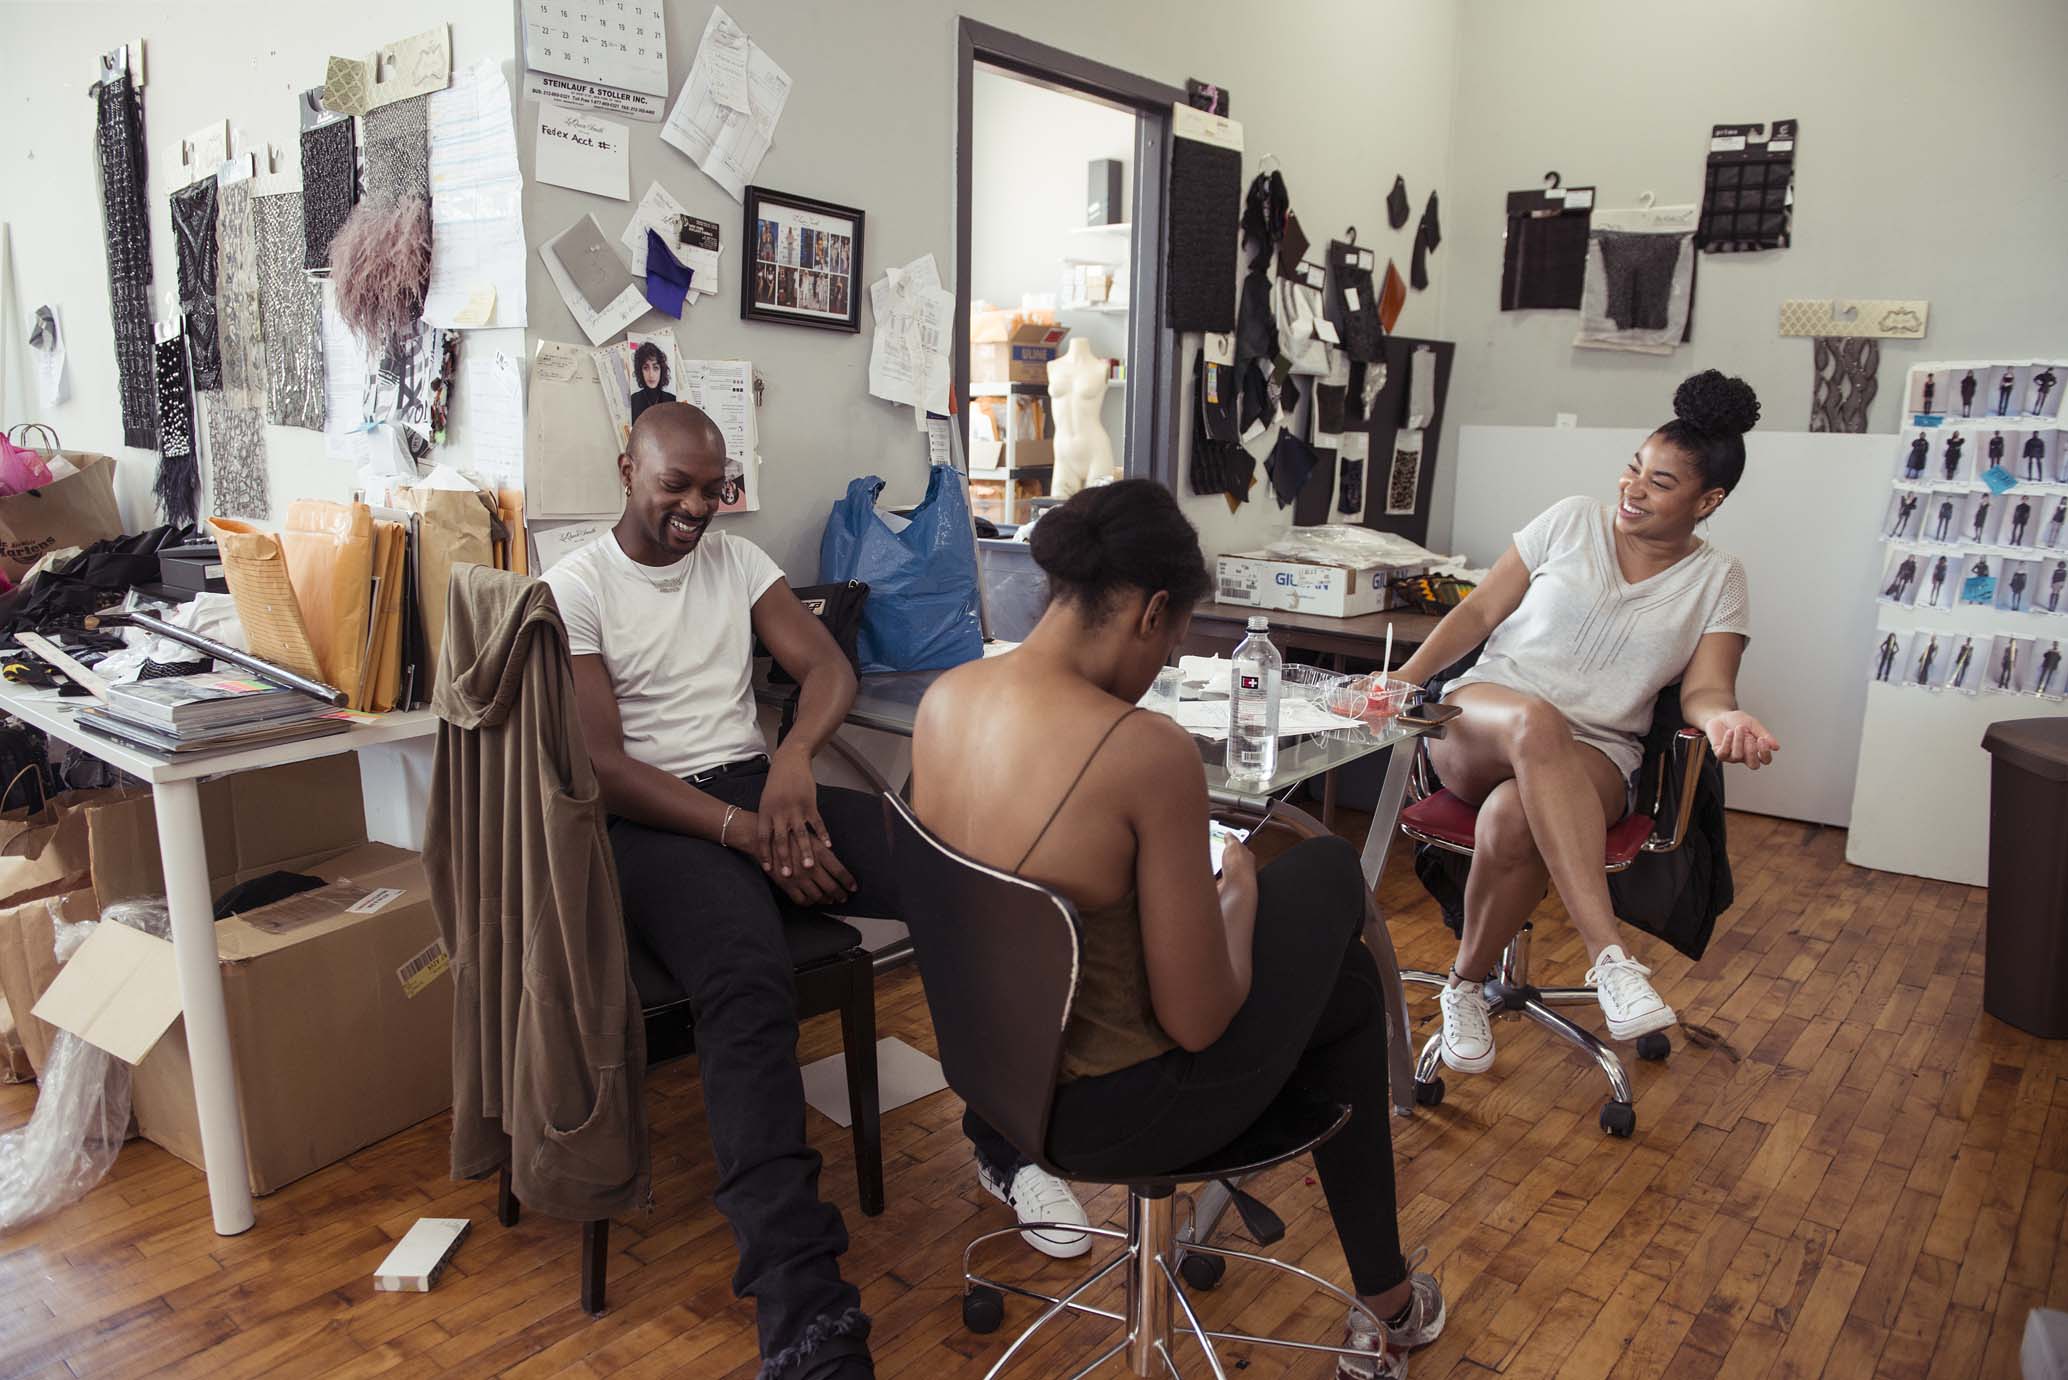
1258,580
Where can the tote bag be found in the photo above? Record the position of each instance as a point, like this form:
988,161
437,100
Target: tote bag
921,571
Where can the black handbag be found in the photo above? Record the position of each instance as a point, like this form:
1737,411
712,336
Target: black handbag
839,608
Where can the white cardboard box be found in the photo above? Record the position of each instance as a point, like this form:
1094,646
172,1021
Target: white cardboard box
420,1256
1261,581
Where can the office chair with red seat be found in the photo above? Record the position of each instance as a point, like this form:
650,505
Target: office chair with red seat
1440,819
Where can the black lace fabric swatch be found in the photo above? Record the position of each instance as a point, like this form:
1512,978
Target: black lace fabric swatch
290,315
179,475
119,141
193,233
329,187
236,460
398,150
241,338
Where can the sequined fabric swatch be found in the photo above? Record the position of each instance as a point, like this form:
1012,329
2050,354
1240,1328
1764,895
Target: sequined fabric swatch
398,150
237,305
193,233
179,475
236,460
119,142
329,187
290,315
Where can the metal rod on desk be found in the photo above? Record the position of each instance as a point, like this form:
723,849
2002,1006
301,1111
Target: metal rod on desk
183,854
330,695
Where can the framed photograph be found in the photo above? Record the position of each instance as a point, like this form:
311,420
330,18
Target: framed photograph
804,262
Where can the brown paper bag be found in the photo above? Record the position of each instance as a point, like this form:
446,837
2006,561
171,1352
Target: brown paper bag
455,529
76,510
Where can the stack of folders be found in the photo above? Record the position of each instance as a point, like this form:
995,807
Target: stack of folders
208,712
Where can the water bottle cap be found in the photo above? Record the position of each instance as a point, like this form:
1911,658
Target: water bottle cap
1259,623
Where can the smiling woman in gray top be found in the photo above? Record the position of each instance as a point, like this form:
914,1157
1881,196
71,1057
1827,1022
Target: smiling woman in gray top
1590,614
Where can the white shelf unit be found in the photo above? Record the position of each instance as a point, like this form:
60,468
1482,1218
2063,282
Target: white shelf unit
1118,228
1011,471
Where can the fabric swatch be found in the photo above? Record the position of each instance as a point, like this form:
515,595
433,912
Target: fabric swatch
1543,258
193,233
330,184
236,460
179,477
119,142
1200,243
1396,203
240,336
398,150
667,281
290,315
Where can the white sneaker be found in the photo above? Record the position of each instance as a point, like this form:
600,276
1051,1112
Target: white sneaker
1632,1007
1468,1036
1423,1324
1035,1195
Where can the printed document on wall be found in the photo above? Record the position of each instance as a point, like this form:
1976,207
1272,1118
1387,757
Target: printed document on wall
724,390
908,360
725,117
477,194
494,399
621,43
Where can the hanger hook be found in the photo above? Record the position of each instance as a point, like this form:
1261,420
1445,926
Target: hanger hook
1268,163
1552,181
1350,235
1646,200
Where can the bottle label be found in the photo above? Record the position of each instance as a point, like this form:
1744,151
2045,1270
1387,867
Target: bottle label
1252,682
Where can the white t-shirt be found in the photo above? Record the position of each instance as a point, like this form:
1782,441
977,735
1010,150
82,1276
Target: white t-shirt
1597,647
681,659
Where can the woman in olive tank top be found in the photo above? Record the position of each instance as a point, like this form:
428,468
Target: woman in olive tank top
1199,1000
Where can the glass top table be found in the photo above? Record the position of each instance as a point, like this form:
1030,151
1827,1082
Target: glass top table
890,704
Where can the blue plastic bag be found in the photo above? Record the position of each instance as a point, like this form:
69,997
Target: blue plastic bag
922,609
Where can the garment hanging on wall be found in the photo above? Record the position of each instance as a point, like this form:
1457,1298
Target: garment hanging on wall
330,185
1353,306
178,486
1200,241
119,144
1292,460
1264,215
1421,388
193,232
1428,234
1397,205
290,314
1639,289
236,460
1748,189
240,336
1219,463
1544,254
398,150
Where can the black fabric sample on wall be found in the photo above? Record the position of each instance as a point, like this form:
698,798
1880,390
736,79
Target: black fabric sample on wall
1637,269
1428,234
330,184
1292,460
119,143
1746,201
1544,261
1432,229
1292,247
193,233
1351,301
1219,463
1200,245
1396,203
178,486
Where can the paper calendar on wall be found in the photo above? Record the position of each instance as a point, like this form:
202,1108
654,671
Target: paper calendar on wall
621,43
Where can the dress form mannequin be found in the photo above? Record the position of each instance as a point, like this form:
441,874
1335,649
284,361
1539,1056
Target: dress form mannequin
1076,391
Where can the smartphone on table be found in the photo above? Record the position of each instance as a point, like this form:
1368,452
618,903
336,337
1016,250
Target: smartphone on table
1219,836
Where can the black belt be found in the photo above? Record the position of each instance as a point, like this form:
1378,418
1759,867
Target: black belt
739,768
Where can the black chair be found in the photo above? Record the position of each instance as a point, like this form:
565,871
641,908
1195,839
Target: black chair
998,956
833,972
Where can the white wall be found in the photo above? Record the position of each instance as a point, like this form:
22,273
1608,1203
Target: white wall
1032,145
1346,97
1929,166
205,60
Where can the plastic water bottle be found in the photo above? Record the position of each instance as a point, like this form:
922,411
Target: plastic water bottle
1253,705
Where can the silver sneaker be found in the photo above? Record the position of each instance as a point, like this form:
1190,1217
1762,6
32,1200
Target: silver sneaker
1424,1323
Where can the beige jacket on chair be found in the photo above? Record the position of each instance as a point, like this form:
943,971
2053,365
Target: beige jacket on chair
549,1049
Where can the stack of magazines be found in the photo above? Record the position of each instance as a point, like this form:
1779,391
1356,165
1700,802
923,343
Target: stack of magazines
209,712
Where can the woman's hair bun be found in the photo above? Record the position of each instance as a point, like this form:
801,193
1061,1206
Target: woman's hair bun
1066,544
1716,405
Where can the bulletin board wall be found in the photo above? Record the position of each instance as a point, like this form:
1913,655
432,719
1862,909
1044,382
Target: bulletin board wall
205,60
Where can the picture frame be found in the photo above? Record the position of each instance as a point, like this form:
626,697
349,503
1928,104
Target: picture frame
803,261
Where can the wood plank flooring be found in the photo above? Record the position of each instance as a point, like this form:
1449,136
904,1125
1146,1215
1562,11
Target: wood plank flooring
1867,1178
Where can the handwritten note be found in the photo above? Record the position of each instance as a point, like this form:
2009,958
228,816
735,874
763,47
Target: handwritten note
583,151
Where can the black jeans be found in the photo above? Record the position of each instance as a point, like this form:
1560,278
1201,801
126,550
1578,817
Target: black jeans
1315,1018
715,922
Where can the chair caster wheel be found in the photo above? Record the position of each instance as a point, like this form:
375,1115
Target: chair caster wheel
1202,1272
1618,1119
983,1308
1654,1048
1429,1094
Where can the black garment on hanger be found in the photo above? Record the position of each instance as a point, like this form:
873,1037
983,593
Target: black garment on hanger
1544,260
1219,463
1199,246
1432,229
178,486
1747,191
1397,204
1264,211
1352,302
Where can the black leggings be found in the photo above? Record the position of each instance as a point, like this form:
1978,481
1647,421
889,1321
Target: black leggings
1315,1018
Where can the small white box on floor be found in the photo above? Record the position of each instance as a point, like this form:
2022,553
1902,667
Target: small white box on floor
419,1257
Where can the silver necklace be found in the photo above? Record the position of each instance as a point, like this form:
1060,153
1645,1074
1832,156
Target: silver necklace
667,584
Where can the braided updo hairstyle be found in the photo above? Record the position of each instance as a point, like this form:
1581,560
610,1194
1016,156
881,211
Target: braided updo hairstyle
1127,535
1711,414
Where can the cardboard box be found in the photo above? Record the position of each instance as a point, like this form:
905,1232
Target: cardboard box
1257,580
340,1009
1001,351
28,963
1026,455
987,497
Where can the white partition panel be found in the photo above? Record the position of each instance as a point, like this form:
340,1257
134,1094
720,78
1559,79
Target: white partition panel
1804,522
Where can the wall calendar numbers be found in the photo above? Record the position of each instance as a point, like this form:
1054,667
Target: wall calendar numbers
621,43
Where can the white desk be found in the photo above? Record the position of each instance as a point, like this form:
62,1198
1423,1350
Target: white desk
183,854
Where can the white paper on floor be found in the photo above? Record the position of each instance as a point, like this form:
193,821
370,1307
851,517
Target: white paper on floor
903,1075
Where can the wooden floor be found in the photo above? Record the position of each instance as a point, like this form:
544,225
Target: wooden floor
1868,1181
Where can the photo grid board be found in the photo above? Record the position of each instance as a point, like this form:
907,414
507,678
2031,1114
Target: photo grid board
803,263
